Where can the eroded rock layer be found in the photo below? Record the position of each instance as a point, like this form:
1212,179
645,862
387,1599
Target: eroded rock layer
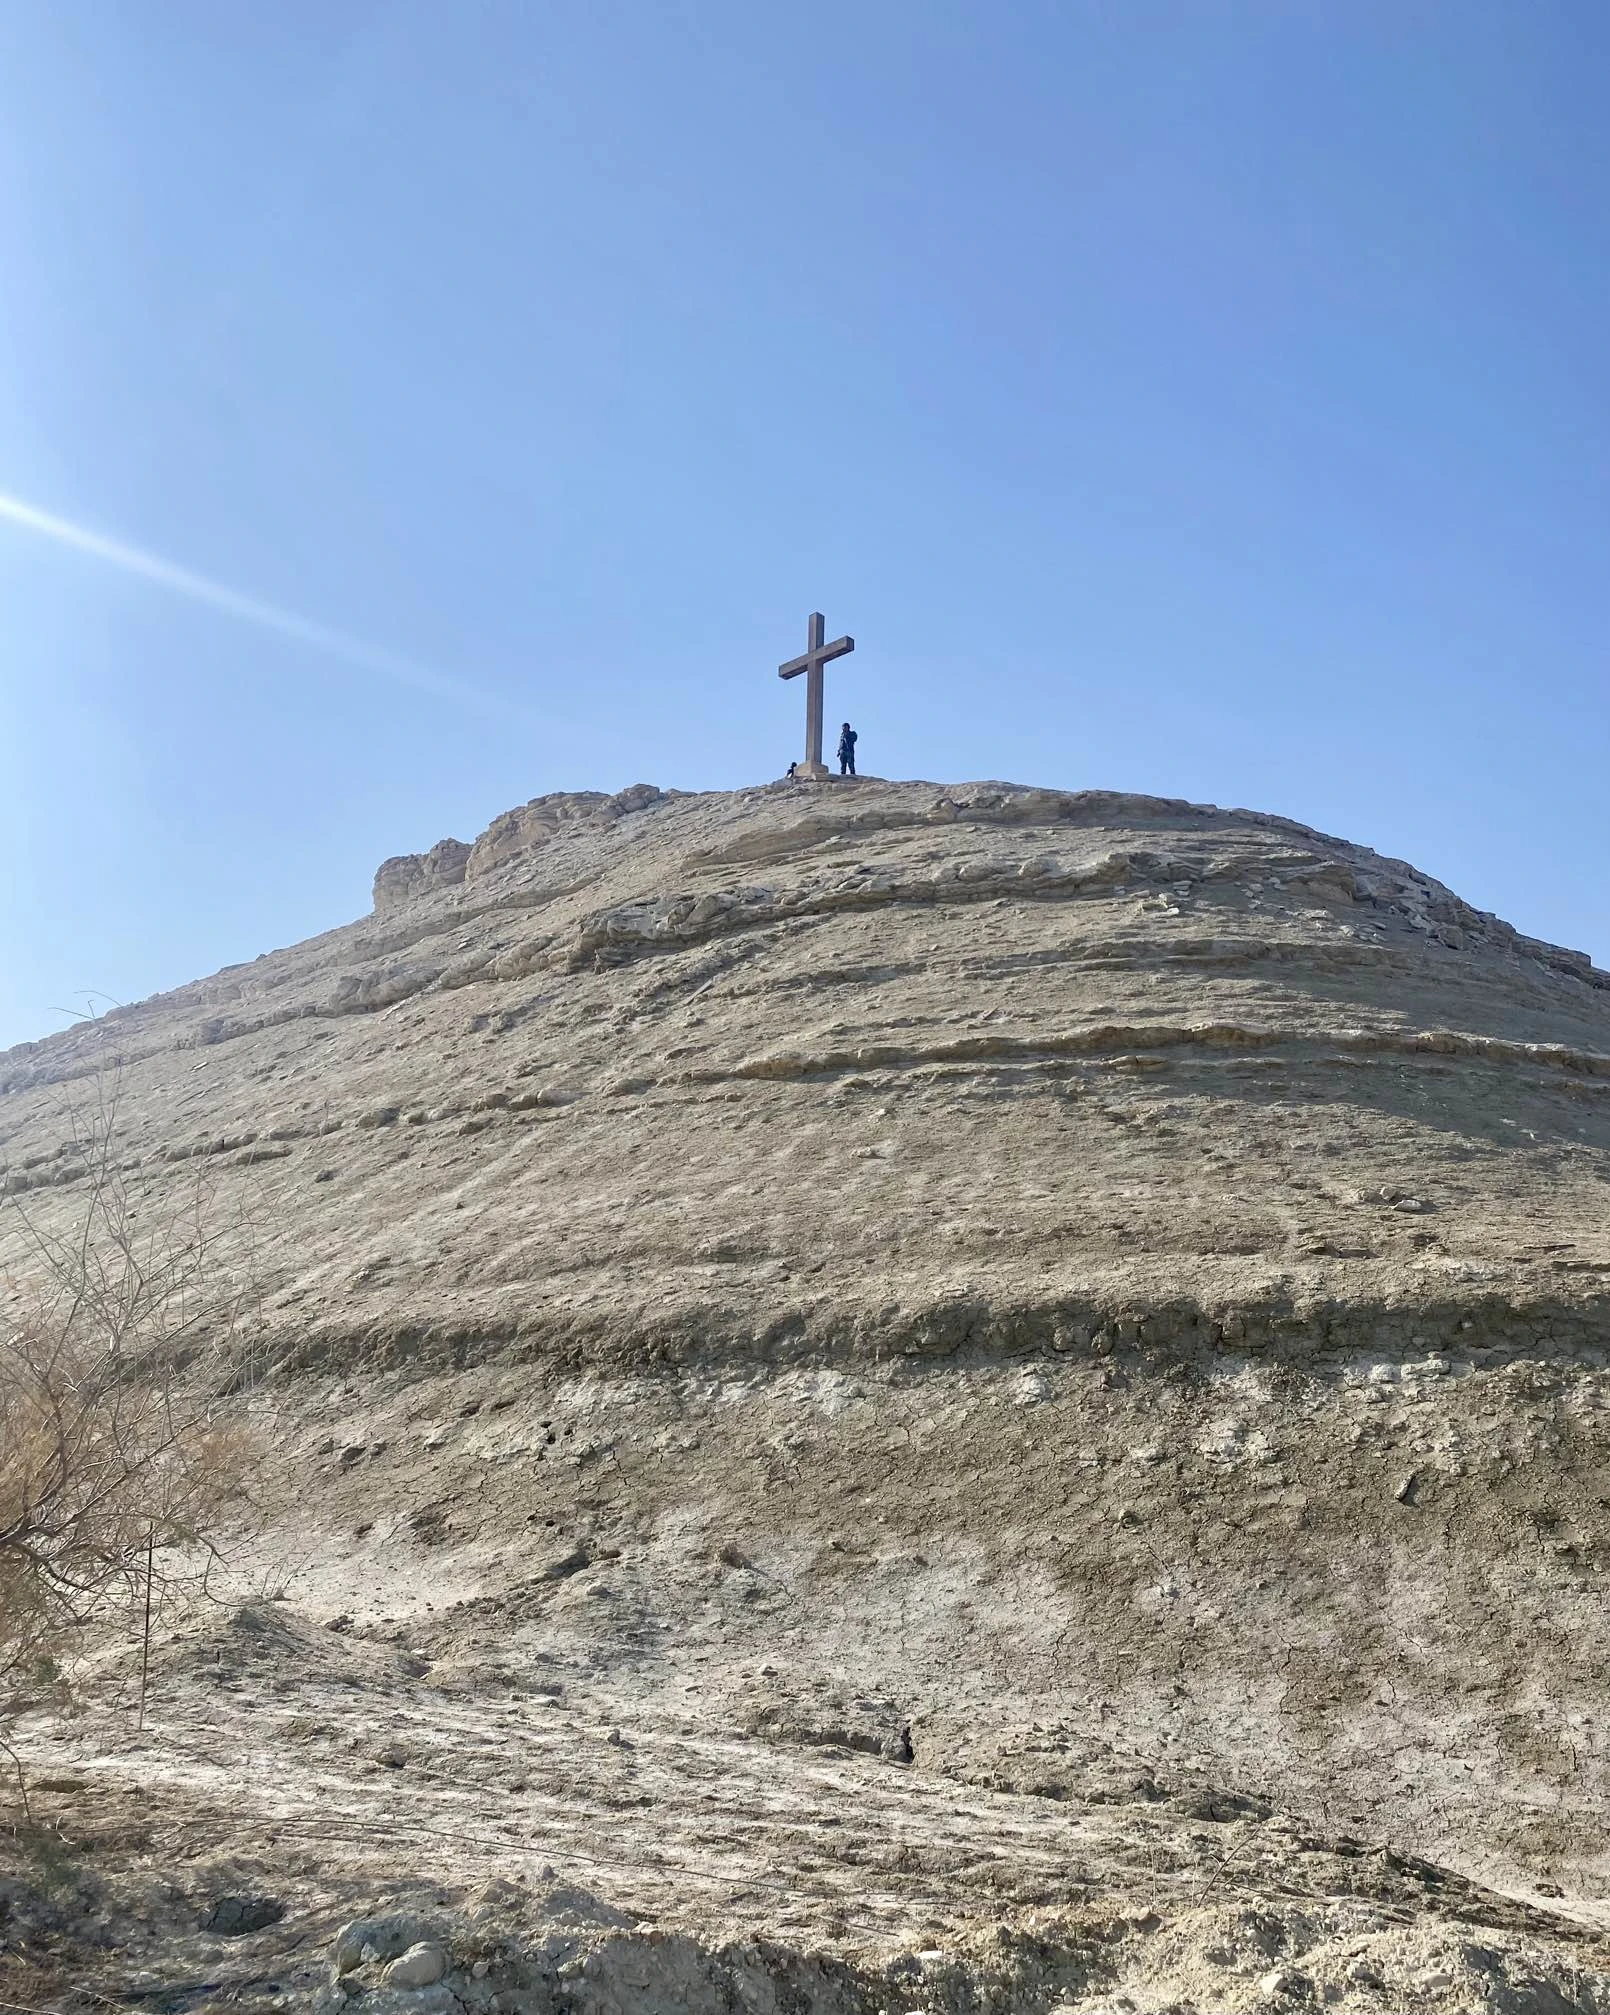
891,1064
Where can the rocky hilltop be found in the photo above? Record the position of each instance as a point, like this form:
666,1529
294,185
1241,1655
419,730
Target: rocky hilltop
1031,1364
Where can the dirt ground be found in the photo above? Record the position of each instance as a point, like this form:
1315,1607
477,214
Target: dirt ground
571,1843
767,1666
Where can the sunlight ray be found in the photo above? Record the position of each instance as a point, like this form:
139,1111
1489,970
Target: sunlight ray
198,588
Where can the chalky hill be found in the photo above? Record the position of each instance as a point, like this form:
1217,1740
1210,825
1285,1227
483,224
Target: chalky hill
913,1392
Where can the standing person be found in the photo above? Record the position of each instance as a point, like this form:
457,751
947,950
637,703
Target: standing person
847,741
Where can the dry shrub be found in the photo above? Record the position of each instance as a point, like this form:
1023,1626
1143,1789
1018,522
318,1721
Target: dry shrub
114,1463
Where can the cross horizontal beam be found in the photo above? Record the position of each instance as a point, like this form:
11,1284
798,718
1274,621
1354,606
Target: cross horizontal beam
824,654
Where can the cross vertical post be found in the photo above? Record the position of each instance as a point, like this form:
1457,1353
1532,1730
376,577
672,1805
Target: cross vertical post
815,630
817,654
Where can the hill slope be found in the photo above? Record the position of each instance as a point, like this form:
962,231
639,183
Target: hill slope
1088,1298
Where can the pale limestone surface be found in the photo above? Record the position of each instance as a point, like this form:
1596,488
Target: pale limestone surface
1055,1341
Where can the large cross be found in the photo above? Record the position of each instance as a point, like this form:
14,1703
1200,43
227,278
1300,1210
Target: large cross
817,654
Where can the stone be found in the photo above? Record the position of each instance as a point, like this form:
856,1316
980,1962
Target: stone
368,1940
422,1965
408,876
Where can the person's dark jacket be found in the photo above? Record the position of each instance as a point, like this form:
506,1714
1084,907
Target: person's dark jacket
847,742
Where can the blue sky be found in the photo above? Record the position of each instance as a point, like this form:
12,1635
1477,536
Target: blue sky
1208,399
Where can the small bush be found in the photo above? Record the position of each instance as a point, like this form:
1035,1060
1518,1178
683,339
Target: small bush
113,1463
